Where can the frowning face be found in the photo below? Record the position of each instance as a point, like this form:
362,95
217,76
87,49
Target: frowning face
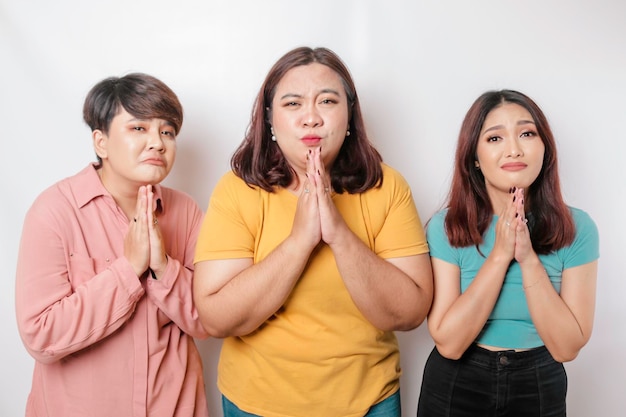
509,151
309,110
134,151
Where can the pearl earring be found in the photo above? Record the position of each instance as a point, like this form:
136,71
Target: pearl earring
273,137
476,164
348,133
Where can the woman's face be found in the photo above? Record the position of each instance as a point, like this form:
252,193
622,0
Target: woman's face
509,151
136,151
309,110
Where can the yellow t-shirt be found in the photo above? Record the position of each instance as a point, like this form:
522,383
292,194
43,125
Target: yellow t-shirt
318,355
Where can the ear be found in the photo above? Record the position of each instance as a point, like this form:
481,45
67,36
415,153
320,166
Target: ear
100,141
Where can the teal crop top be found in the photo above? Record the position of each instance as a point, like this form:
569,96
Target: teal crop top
509,324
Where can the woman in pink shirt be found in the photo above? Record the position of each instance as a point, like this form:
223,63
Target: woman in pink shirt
103,291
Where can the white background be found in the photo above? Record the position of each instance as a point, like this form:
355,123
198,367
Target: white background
418,65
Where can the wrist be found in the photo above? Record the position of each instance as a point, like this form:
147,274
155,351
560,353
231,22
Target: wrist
158,271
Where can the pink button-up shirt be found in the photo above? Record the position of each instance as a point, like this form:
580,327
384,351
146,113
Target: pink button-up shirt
107,343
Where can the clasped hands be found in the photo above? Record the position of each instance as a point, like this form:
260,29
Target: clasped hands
512,234
316,219
143,244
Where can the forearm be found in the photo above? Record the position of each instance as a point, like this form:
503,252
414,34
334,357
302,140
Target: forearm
457,328
56,321
384,293
172,294
555,322
243,303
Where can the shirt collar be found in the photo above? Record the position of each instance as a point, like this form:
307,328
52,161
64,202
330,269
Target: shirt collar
89,187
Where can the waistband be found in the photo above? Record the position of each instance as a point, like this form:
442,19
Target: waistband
509,359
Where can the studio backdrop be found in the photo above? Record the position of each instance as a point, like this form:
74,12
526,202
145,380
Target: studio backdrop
418,65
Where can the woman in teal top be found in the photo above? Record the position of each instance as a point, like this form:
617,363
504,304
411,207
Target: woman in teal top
515,271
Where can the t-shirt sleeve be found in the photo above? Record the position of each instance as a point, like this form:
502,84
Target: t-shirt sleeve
225,232
586,247
401,232
438,242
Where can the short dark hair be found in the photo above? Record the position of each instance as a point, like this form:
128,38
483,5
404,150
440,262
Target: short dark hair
469,207
259,161
141,95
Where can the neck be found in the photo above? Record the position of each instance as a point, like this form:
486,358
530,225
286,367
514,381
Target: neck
125,195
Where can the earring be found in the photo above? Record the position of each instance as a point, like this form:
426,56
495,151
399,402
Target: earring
347,133
273,137
476,165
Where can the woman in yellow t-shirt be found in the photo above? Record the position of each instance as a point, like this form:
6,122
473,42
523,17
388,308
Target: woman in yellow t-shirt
310,255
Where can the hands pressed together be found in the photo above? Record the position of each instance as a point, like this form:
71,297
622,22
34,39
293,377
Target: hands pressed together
143,244
512,234
316,219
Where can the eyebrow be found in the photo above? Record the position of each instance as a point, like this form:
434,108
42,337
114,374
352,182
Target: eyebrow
520,123
140,119
323,91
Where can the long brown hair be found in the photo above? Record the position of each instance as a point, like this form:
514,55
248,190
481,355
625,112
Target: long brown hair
259,161
469,208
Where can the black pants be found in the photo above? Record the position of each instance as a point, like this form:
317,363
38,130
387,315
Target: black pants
493,384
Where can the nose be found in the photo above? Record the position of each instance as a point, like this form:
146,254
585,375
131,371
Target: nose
155,141
514,150
312,117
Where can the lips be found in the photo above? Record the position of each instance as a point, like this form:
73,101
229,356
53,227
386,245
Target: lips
154,161
311,140
514,166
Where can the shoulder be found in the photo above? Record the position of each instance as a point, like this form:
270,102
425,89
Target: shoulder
393,183
393,176
64,192
436,223
59,203
581,217
586,227
231,181
231,188
586,246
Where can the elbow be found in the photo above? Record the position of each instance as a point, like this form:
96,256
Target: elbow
403,321
45,357
450,352
218,330
566,352
41,354
212,330
36,343
564,355
407,325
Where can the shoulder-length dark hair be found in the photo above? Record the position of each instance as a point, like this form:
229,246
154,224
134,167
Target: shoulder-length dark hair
469,208
260,162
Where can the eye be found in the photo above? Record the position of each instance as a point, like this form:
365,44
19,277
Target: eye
493,138
328,101
291,104
139,128
528,134
168,133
